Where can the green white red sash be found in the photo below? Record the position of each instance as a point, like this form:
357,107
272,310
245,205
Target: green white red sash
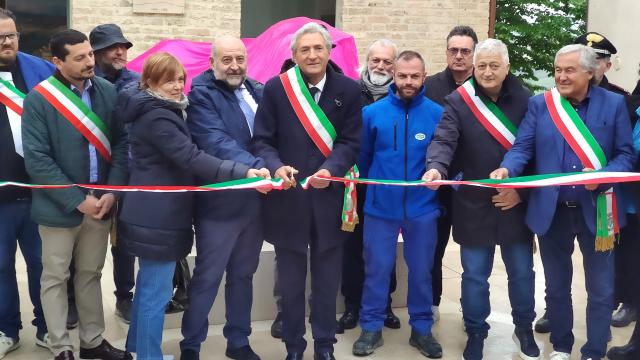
71,107
13,99
582,142
322,133
489,115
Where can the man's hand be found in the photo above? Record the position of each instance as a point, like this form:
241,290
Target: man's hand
88,206
499,174
590,187
506,199
320,183
263,173
432,175
287,173
104,205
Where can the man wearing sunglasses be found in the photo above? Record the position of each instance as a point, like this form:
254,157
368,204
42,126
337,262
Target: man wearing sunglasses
461,42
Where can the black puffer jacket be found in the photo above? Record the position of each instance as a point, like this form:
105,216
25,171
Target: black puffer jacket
158,226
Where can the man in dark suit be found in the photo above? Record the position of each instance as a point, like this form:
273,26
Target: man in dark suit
222,105
484,218
558,215
461,41
298,221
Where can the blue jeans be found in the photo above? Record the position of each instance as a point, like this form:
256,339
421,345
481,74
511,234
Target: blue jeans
556,247
477,263
153,292
16,227
380,242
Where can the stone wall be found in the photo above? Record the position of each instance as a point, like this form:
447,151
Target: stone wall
420,25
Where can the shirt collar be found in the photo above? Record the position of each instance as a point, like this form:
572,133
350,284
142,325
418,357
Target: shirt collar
88,85
320,85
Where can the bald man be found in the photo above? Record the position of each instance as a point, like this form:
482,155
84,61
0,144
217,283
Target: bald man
222,105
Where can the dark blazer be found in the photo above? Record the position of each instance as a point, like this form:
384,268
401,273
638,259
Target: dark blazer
162,153
219,127
476,221
280,139
539,140
439,85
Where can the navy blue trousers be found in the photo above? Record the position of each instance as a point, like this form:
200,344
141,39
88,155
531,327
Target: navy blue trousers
223,245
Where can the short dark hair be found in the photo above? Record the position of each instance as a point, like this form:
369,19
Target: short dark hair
408,55
463,30
62,38
7,14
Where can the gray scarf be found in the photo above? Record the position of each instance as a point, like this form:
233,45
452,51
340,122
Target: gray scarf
377,91
174,104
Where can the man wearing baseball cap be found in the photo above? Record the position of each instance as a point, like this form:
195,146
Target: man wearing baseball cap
110,50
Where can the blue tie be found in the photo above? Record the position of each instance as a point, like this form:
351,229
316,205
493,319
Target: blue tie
246,109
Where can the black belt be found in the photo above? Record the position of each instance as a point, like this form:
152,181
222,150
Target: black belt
570,204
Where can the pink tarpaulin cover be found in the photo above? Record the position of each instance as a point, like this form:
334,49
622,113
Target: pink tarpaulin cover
266,53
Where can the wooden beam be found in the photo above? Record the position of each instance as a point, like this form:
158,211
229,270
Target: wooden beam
492,18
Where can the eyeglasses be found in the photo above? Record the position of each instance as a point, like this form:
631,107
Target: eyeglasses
454,51
11,36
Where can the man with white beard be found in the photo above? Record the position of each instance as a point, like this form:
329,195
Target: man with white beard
374,81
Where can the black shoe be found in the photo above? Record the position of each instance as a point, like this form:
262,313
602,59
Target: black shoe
294,356
543,326
427,344
324,356
349,320
630,351
276,327
72,316
105,351
391,321
339,328
174,307
367,343
526,343
242,353
473,349
65,355
189,355
123,310
624,316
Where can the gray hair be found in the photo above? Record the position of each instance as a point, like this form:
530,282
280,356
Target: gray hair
383,43
492,46
311,28
588,57
378,43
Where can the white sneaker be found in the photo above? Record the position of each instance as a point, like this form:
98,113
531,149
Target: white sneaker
557,355
43,341
7,344
436,313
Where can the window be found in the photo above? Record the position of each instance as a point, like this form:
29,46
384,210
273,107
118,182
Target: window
37,20
258,15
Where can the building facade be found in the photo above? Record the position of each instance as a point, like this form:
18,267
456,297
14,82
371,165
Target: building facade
420,25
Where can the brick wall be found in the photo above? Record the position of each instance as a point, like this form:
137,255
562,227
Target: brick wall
201,21
420,25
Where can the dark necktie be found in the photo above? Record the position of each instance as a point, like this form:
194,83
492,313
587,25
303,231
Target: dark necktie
314,91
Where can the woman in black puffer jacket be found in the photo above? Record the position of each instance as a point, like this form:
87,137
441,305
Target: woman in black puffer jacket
157,227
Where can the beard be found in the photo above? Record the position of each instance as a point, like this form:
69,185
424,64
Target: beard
379,79
233,80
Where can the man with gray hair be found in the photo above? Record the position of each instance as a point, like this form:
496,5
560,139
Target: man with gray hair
222,105
570,128
308,124
375,78
470,131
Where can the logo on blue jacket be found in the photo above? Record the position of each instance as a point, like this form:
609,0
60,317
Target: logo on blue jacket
420,136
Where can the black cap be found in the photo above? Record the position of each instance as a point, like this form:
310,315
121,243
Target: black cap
105,35
600,44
